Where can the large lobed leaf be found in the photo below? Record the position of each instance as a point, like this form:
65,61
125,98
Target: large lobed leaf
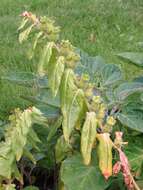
76,175
98,70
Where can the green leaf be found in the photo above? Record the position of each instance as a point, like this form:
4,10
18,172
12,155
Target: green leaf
45,97
31,188
16,173
134,153
75,175
24,35
49,112
132,119
53,129
61,149
134,57
89,65
9,187
110,74
139,79
126,89
88,135
21,78
98,70
72,103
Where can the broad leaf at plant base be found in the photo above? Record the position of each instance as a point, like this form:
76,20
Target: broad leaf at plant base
45,97
75,175
26,79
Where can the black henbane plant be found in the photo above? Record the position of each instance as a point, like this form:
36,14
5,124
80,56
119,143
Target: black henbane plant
85,109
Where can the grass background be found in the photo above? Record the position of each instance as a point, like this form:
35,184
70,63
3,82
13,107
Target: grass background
100,27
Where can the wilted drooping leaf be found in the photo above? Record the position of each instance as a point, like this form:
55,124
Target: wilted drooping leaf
16,138
23,23
52,66
88,136
61,149
55,73
24,35
45,58
72,103
105,154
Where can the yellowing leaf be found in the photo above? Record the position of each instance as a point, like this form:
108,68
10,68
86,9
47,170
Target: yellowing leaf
55,74
52,65
9,187
88,136
24,35
16,137
72,103
23,23
45,58
105,154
